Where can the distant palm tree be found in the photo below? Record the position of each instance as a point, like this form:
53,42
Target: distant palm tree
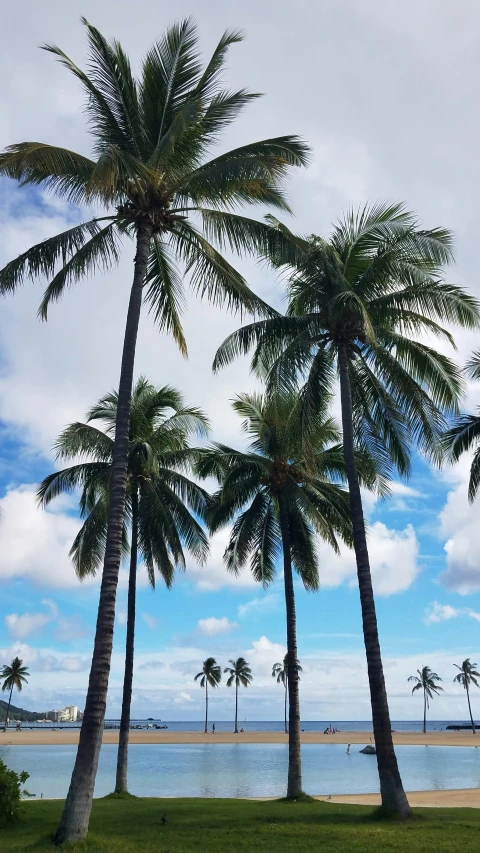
464,434
426,680
468,675
280,672
240,673
14,675
152,173
210,674
162,502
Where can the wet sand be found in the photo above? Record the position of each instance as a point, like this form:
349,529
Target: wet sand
459,799
45,737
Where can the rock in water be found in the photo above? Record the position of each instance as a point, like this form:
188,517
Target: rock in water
369,750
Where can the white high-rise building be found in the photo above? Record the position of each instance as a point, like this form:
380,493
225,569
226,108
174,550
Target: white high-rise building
68,714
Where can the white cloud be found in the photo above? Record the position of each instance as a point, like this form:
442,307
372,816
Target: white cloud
44,660
212,626
393,560
25,624
436,612
257,606
213,575
459,526
151,621
121,617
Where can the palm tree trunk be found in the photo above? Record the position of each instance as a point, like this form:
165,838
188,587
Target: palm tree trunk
236,708
206,706
393,796
424,712
78,805
294,787
470,708
8,709
286,688
121,784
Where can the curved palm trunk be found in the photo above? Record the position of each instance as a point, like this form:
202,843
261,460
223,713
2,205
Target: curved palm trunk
424,711
236,708
470,709
394,799
121,784
76,813
206,706
10,702
286,688
294,787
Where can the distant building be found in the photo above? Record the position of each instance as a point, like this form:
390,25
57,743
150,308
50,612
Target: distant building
52,715
68,714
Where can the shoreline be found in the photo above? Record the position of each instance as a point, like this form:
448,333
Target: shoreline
451,798
42,737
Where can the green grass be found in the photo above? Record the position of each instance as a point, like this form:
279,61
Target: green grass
237,826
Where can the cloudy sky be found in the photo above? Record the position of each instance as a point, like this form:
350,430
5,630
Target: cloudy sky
386,94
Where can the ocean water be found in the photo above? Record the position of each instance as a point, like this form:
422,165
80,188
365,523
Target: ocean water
245,770
269,725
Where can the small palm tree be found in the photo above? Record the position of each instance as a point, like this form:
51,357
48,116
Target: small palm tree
427,681
464,434
152,176
468,675
162,501
359,303
12,676
240,673
280,672
280,497
210,674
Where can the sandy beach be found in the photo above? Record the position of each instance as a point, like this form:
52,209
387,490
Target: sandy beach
45,737
460,799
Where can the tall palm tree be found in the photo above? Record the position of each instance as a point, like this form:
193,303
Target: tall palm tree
427,681
280,672
468,675
210,674
239,673
161,501
279,497
359,302
464,434
150,173
14,675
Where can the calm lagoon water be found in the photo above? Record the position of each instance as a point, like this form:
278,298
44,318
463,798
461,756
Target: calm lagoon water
245,770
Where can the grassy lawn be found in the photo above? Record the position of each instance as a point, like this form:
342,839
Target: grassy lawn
237,826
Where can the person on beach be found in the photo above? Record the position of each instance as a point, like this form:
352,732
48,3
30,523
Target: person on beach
213,728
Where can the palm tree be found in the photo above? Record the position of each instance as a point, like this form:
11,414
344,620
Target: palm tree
285,499
426,680
280,672
468,675
14,675
160,501
210,674
464,434
151,175
240,673
358,304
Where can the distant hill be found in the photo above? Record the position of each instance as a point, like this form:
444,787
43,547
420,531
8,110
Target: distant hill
19,713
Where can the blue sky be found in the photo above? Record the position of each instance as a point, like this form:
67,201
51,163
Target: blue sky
422,540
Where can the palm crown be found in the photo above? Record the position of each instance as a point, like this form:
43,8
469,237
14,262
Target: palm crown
280,671
468,674
277,467
15,675
464,434
159,459
211,673
239,672
151,140
428,681
370,291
